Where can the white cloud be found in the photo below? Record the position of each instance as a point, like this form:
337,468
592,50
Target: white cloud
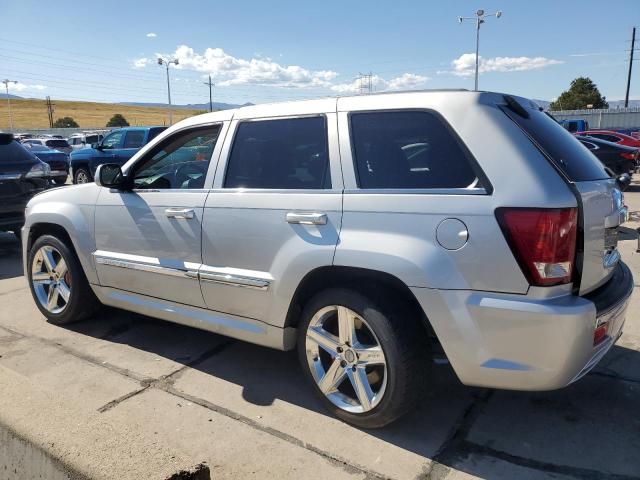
151,35
403,82
228,70
21,87
141,62
464,65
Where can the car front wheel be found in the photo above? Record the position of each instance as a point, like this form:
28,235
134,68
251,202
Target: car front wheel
82,175
57,282
365,359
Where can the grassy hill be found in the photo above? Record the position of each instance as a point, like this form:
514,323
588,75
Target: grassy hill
32,113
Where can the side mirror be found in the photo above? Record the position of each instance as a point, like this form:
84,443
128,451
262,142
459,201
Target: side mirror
110,175
96,146
623,181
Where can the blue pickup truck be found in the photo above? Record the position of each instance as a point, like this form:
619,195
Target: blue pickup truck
116,147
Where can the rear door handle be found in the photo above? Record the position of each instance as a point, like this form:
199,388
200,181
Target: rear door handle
311,218
186,213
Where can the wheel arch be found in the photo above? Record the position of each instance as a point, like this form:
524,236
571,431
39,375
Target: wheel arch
71,227
362,280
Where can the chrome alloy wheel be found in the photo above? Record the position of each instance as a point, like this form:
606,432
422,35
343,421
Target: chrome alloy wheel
346,359
82,177
51,279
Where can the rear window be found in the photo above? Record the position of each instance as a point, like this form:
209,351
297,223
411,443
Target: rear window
154,132
14,153
408,149
567,153
56,143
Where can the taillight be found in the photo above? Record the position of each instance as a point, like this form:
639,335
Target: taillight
628,155
543,241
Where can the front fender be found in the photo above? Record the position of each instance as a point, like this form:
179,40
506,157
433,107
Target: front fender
71,208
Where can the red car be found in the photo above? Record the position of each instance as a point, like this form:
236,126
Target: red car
613,137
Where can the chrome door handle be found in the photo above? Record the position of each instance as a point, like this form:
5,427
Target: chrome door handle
186,213
307,218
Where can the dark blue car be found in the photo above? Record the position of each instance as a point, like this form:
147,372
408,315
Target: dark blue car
116,147
58,161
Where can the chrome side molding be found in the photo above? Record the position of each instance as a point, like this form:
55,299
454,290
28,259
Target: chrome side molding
206,273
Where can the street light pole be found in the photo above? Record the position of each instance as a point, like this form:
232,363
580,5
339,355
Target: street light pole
166,63
479,19
6,82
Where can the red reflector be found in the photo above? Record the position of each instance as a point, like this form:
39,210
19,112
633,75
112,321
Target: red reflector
628,156
600,333
543,241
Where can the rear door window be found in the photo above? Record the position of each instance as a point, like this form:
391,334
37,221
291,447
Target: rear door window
566,151
134,139
409,149
289,153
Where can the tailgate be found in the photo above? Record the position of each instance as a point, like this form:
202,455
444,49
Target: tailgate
602,212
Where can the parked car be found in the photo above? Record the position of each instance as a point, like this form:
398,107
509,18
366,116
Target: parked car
81,140
59,144
116,147
618,158
22,175
57,161
22,136
575,125
368,232
613,137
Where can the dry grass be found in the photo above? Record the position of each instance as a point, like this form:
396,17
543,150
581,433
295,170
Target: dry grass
33,113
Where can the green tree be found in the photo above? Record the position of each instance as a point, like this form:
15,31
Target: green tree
117,121
581,93
65,122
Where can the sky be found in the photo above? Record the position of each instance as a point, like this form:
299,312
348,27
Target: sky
257,51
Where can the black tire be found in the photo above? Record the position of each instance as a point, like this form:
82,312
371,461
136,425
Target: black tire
82,172
60,180
82,303
403,341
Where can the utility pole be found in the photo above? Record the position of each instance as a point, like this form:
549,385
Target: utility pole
6,82
479,20
633,44
210,96
50,111
166,63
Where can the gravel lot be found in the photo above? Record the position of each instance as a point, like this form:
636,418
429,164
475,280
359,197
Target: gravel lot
125,396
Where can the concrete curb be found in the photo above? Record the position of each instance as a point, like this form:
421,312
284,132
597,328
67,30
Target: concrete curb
42,436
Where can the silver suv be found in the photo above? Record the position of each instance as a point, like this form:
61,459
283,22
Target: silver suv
370,232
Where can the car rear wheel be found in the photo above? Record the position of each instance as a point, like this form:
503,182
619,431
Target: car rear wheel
60,180
365,359
82,175
57,282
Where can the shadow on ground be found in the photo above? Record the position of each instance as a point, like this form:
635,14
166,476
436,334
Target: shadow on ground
590,429
10,254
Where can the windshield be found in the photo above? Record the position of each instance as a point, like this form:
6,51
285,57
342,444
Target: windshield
57,143
34,147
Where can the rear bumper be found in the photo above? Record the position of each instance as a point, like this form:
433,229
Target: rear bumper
522,342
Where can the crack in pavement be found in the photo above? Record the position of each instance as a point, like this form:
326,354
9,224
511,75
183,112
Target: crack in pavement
334,459
448,451
468,448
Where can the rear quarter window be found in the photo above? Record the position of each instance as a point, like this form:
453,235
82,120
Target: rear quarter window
564,150
409,150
